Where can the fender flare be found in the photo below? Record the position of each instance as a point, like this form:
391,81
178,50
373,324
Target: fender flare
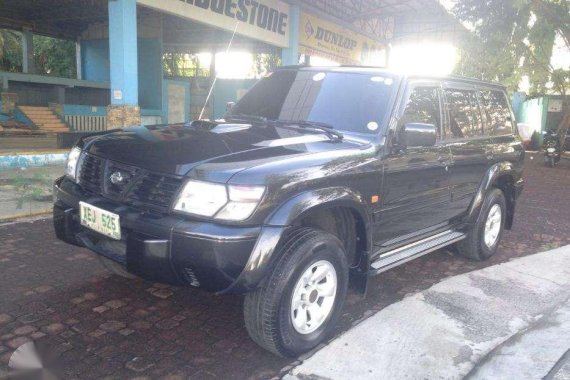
491,176
264,256
297,206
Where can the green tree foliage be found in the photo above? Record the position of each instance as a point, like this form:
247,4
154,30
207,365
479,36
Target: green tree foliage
10,51
183,65
54,57
188,65
265,63
515,38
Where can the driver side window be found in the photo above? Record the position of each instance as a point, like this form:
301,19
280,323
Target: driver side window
422,107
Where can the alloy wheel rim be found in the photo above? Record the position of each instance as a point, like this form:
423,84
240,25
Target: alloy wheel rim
493,225
313,297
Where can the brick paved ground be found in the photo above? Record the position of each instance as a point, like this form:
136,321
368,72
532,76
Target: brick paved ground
108,327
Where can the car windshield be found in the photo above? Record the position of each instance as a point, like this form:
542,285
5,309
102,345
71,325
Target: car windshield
354,102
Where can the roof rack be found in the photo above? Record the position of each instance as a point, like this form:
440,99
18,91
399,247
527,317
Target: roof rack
444,77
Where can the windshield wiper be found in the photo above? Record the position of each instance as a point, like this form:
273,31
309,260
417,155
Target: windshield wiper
323,127
246,118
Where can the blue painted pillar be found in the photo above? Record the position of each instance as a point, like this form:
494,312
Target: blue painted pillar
290,55
123,52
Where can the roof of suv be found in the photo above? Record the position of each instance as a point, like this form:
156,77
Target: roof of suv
381,70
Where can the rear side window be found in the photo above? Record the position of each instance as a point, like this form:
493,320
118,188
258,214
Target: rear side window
423,107
464,116
494,105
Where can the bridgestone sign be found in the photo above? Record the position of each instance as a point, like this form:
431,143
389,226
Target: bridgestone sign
263,20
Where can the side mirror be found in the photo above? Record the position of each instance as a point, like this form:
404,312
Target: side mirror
419,134
229,106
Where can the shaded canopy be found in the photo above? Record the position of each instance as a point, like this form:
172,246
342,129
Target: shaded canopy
379,19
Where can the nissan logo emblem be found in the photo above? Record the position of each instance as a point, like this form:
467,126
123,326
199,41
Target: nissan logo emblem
118,178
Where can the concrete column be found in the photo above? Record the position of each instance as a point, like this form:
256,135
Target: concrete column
290,55
124,110
78,63
28,65
60,94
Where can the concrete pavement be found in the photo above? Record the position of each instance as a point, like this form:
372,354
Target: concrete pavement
508,321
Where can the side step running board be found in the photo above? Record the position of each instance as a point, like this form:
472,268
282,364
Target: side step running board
419,248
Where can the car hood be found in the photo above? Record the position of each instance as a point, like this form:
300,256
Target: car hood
226,148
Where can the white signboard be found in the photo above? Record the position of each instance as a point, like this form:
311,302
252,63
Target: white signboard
555,105
264,20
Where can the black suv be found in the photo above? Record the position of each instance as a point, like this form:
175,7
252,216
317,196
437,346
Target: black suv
316,179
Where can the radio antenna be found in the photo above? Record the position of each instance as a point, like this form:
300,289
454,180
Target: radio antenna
216,76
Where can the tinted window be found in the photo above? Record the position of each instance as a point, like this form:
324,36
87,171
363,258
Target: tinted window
497,113
464,116
422,107
347,101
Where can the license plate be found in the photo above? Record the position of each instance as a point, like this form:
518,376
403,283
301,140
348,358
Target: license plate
550,150
100,220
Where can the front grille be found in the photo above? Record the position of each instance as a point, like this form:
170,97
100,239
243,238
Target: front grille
138,187
91,173
155,189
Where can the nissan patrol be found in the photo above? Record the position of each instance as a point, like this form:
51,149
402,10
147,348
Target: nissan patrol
315,180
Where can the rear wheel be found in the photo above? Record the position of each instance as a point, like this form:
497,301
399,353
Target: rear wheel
299,304
483,239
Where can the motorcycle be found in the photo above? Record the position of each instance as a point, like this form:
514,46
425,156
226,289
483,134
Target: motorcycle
551,146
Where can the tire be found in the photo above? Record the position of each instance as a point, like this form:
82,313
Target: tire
551,162
475,246
115,268
270,317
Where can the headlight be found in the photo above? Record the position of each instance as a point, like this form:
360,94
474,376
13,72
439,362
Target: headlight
243,201
201,198
218,201
71,166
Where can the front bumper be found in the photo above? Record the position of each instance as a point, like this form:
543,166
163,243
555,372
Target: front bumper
518,187
157,247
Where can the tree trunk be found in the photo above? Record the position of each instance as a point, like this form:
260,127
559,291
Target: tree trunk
564,124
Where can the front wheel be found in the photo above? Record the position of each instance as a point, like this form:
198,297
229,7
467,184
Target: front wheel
483,238
300,302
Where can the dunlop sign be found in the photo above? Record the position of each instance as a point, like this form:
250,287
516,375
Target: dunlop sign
328,40
264,20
